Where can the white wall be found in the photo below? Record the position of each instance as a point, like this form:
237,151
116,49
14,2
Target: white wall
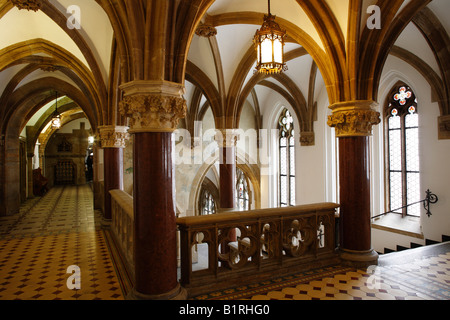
313,173
314,164
434,155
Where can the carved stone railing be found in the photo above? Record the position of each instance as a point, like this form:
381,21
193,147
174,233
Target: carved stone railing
244,247
122,225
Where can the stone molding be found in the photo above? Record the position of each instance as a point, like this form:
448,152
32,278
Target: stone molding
30,5
206,30
444,127
49,68
354,118
155,106
226,137
307,139
112,136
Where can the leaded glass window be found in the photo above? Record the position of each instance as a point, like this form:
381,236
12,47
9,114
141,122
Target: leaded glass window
242,192
208,203
403,152
287,159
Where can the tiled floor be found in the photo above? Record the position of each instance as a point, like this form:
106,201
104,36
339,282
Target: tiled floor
424,279
49,235
419,274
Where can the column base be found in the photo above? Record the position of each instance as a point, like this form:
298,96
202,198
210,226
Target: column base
358,259
179,293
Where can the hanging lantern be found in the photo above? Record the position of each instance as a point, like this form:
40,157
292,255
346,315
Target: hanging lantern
269,43
56,119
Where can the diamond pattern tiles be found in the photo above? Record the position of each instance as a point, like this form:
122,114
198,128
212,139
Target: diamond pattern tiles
49,235
422,279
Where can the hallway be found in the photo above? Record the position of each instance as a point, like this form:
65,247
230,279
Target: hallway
47,236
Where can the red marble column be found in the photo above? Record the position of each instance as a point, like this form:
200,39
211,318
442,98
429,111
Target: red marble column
112,140
113,176
353,122
227,171
227,186
154,109
154,208
354,182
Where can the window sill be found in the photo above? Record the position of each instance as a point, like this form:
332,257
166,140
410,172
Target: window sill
392,222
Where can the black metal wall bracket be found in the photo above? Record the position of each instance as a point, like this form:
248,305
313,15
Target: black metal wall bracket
430,199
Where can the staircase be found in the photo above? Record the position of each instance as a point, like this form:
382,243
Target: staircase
428,242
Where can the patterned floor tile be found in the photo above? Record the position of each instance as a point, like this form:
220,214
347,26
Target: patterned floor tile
50,234
423,279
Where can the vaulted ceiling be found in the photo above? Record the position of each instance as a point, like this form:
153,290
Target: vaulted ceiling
39,55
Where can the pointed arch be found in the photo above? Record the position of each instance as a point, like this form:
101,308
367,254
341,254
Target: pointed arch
22,51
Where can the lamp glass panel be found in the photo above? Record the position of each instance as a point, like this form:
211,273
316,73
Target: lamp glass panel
266,51
278,51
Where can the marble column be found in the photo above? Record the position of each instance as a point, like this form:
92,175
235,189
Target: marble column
353,122
112,141
227,139
154,109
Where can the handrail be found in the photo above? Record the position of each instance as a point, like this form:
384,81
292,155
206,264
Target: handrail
431,198
231,216
256,244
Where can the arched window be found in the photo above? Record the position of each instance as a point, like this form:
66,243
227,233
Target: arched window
208,204
402,141
242,192
286,159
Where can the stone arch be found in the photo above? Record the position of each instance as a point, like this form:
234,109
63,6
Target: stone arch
210,163
295,33
16,53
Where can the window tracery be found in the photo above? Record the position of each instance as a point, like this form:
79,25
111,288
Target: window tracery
403,152
286,159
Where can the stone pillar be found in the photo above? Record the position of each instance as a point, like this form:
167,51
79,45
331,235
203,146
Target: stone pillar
353,122
98,192
154,109
112,141
30,157
227,139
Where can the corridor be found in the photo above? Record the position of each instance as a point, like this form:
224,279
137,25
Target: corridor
49,235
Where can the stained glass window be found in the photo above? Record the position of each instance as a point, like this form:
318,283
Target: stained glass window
242,192
403,152
287,159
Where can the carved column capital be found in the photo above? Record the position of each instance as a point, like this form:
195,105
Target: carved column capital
112,136
29,5
155,106
354,118
227,137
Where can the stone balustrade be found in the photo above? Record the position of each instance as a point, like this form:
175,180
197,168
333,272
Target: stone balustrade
122,225
269,243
